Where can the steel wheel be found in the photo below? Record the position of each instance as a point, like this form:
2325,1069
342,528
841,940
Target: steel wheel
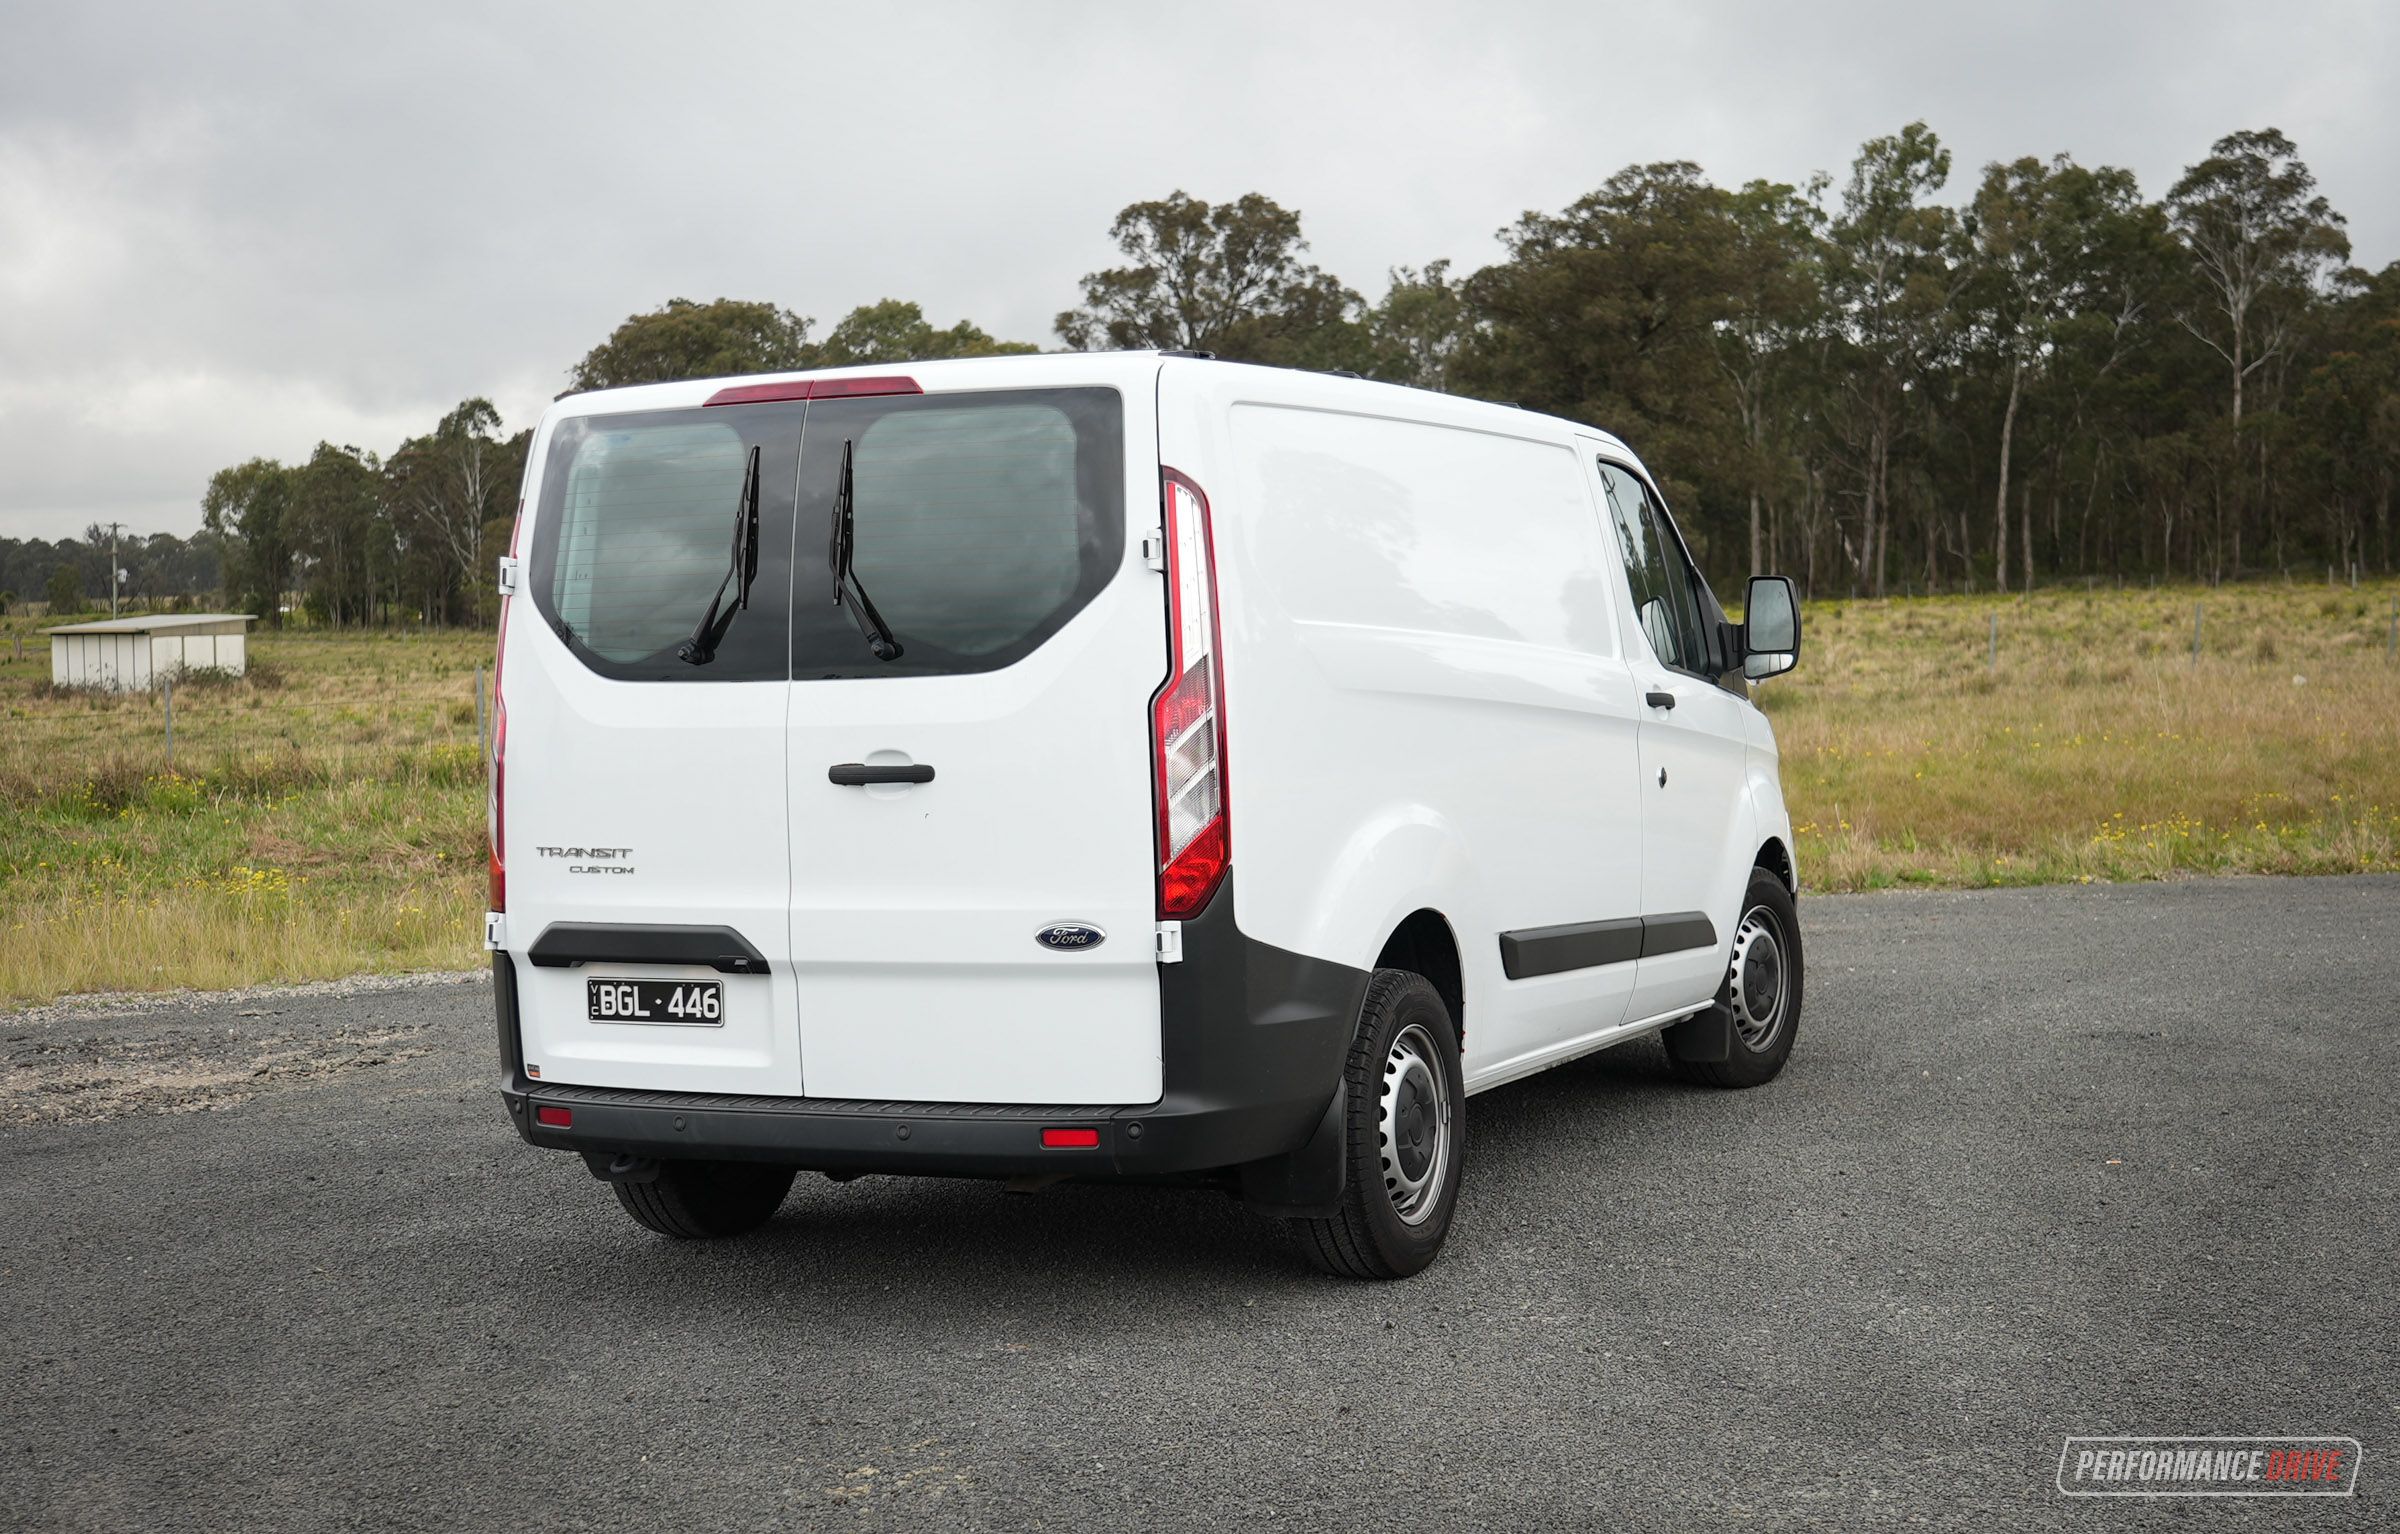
1413,1125
1756,984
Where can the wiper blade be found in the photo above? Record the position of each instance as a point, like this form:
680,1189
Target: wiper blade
847,592
701,648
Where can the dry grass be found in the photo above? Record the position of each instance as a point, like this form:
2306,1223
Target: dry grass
325,816
2097,750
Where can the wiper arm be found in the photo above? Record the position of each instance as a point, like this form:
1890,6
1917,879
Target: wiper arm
847,592
701,648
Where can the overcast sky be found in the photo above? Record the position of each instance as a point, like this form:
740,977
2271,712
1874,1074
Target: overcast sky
236,229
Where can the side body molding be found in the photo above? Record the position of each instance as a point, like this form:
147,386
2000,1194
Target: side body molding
1590,944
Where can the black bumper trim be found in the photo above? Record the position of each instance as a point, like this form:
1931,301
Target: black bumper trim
1252,1039
565,944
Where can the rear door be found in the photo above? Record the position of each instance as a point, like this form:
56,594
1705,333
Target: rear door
986,934
642,796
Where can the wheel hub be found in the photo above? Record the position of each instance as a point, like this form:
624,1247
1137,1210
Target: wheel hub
1755,982
1413,1125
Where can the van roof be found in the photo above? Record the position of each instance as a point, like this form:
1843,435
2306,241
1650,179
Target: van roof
1130,370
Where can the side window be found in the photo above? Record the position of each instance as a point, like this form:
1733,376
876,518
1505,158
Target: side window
1656,570
1691,607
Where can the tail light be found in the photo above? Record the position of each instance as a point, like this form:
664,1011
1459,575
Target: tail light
1187,718
496,819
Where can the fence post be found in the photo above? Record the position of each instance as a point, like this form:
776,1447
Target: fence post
2195,633
2391,640
170,721
1995,641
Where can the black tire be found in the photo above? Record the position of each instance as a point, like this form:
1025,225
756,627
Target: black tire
1761,991
1392,1220
697,1200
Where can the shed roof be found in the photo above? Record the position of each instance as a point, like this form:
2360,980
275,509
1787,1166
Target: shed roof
151,623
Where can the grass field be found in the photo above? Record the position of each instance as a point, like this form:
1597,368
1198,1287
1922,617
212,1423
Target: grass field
325,816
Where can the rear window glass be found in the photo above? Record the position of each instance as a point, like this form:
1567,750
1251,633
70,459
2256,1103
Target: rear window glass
646,535
974,535
981,524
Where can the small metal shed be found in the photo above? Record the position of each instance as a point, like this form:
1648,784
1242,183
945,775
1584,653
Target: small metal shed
134,654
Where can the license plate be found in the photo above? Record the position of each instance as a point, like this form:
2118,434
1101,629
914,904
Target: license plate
677,1003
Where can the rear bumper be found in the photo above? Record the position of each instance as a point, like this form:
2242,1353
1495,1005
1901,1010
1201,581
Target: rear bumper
1253,1040
956,1139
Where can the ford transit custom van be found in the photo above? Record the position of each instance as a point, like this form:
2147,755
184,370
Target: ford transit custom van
1111,766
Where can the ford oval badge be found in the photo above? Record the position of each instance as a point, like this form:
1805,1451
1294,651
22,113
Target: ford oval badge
1068,936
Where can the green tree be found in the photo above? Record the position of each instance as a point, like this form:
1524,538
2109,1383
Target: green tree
1225,278
1891,280
1417,330
441,489
247,508
2049,245
1766,337
2262,243
894,330
66,591
689,340
1608,312
2264,246
340,532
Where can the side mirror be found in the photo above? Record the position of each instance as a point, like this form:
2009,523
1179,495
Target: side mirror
1770,627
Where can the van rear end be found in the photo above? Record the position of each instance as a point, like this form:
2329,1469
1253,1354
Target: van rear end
860,796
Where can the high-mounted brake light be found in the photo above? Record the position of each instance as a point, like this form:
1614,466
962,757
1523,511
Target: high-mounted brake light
1187,718
813,388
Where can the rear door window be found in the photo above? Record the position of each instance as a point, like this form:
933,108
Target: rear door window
982,523
636,532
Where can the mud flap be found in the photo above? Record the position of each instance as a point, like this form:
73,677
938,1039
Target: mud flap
1704,1038
1306,1183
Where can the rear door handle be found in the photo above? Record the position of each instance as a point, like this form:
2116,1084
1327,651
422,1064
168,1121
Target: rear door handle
1657,699
859,774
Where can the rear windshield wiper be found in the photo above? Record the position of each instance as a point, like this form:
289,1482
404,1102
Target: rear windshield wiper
847,592
701,648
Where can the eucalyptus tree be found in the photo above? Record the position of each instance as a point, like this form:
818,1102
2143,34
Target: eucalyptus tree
894,330
1226,278
682,339
248,508
2264,246
1771,328
1892,278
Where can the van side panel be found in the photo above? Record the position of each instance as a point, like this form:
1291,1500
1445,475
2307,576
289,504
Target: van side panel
1426,702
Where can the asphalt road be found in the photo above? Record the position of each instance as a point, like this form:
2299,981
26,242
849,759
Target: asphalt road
2045,1163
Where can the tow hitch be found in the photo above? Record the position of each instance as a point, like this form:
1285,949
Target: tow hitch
621,1166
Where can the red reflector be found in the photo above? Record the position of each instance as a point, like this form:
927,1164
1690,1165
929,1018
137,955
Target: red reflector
813,388
556,1118
1070,1139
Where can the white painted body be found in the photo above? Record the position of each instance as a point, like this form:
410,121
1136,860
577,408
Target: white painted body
1433,700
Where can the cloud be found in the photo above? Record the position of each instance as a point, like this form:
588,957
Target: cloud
240,229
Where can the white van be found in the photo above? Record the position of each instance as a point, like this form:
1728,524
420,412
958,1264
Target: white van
1111,766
